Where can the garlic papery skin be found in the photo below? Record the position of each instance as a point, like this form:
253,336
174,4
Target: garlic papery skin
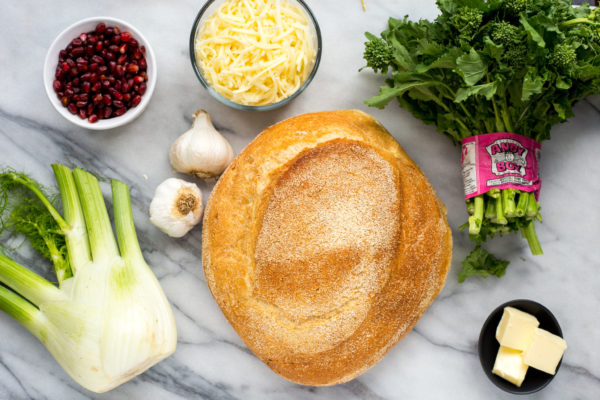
202,150
176,207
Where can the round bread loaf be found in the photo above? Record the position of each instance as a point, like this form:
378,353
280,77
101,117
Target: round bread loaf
323,244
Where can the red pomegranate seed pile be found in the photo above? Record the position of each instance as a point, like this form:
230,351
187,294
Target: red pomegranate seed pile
101,74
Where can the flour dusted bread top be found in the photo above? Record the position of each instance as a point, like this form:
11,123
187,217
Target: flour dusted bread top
323,244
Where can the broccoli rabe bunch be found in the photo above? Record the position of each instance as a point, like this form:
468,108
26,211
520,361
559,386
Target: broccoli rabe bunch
487,66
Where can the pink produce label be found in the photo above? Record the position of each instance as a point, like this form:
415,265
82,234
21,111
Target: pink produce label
500,161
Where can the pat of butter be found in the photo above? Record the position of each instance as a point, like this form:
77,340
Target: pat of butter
516,328
510,366
545,351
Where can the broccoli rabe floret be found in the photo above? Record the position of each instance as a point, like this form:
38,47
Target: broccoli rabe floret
377,53
563,57
515,7
466,21
505,33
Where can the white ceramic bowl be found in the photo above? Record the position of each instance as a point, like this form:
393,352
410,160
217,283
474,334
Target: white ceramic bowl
61,42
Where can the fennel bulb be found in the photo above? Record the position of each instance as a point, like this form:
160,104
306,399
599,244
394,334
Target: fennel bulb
108,320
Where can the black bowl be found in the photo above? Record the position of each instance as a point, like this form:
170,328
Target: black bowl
488,346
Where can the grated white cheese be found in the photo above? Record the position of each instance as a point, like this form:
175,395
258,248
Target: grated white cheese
255,52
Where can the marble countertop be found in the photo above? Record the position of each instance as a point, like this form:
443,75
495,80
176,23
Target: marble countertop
438,359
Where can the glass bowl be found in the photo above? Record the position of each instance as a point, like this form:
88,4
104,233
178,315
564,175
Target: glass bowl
208,10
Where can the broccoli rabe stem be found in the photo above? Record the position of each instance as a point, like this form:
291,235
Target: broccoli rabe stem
530,234
522,204
508,202
476,219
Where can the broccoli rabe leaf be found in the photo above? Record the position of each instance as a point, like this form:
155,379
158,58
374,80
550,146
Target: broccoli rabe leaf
481,263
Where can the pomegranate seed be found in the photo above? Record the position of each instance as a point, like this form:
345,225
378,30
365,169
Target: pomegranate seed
90,109
103,53
142,63
83,97
126,97
93,39
138,79
97,59
125,86
116,30
93,118
133,68
116,39
116,94
136,100
57,85
125,36
123,49
69,92
137,54
59,73
107,99
122,59
99,45
102,69
76,42
97,98
112,65
96,87
142,89
113,48
82,114
64,101
93,67
106,83
100,28
86,76
109,32
118,104
89,50
74,71
120,111
120,71
81,104
86,86
83,37
107,112
133,43
81,60
62,54
117,85
143,49
111,56
72,108
77,51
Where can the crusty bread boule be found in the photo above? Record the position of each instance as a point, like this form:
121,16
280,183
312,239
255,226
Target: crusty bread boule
323,244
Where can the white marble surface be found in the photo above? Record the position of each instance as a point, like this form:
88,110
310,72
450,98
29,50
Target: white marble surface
438,359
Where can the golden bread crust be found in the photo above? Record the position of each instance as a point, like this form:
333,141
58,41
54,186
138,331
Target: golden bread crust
323,244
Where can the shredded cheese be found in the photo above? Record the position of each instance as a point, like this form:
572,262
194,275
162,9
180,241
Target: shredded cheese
256,52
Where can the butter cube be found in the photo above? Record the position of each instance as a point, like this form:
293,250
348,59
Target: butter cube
515,329
510,366
545,351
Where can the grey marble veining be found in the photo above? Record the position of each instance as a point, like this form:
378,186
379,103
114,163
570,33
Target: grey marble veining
438,359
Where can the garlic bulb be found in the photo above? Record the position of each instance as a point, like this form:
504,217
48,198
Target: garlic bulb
202,150
176,207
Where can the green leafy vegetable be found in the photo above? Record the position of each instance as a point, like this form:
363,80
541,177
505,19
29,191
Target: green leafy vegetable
491,66
481,263
108,319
